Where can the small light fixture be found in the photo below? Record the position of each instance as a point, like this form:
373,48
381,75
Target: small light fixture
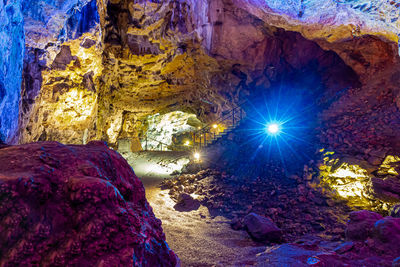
215,126
199,127
187,143
273,128
196,156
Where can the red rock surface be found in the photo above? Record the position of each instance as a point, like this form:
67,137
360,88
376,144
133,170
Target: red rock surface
70,205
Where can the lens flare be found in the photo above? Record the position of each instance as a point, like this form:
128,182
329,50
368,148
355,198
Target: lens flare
273,128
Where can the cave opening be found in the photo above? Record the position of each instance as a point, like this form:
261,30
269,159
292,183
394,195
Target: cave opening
292,92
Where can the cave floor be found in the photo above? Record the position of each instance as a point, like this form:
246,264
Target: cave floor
197,237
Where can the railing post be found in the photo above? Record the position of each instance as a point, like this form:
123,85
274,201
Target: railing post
205,139
146,144
233,117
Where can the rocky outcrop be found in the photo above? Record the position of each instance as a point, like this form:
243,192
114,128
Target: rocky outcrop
361,224
75,205
11,58
380,233
375,247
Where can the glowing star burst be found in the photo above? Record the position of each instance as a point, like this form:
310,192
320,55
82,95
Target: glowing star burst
273,128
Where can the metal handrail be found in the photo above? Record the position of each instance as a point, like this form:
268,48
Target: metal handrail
159,142
223,118
231,114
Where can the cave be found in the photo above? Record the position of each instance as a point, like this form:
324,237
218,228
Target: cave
199,133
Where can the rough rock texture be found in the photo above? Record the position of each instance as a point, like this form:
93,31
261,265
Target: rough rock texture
196,56
169,129
61,66
49,21
75,205
11,58
380,235
295,208
261,228
362,184
361,224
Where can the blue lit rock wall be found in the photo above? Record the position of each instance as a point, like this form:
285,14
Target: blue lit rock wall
11,58
46,20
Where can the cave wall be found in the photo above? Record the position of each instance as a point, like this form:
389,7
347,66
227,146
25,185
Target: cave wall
61,67
150,57
110,64
11,58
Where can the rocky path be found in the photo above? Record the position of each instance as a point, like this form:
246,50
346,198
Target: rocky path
198,238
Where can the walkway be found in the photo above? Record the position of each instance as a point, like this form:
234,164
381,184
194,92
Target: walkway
196,237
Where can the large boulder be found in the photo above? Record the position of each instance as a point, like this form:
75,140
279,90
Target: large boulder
261,228
70,205
387,233
361,224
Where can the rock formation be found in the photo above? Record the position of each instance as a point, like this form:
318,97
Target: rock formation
107,67
75,205
11,58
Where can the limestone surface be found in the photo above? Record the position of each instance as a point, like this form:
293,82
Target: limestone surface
75,205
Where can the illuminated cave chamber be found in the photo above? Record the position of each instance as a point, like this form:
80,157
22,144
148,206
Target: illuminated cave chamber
169,130
361,184
121,71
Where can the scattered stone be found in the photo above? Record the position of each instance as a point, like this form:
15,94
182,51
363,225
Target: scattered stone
261,228
235,197
237,224
186,203
345,247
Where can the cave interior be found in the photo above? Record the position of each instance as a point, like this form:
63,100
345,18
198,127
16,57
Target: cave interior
199,133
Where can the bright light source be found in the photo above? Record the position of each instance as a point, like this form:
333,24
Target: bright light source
187,143
273,128
215,126
196,156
